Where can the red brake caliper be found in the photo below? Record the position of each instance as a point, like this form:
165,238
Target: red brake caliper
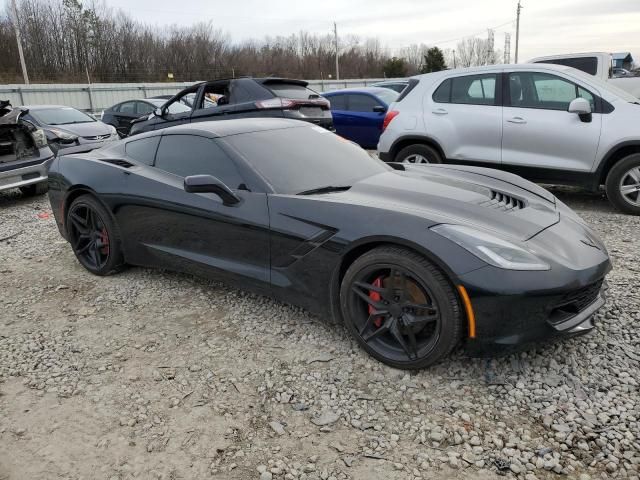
105,241
375,296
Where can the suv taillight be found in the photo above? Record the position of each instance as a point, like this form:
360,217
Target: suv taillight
291,103
391,114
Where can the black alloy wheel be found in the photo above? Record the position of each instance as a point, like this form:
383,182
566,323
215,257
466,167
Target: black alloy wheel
400,308
93,236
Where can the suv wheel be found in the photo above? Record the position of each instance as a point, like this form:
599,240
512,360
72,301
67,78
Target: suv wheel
418,153
623,184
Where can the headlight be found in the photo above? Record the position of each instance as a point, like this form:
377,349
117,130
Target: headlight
112,129
493,250
39,138
62,135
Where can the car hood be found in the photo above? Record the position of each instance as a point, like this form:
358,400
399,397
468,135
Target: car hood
477,197
89,129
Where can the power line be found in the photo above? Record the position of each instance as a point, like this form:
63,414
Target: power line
438,42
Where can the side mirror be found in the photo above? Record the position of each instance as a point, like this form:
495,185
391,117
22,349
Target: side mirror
210,184
582,108
158,112
379,109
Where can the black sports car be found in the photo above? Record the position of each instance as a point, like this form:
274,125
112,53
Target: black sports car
412,258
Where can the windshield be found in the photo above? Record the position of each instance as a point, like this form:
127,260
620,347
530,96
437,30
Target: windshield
60,116
387,95
299,159
173,108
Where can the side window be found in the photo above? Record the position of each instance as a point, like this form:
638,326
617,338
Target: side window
474,89
143,108
443,92
185,155
143,150
215,94
545,91
338,102
128,108
361,103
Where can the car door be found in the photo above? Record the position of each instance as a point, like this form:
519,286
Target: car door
366,114
539,133
340,114
168,227
464,115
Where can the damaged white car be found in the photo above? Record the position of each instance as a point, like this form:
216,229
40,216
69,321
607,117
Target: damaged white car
24,152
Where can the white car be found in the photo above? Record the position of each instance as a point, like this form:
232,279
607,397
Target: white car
548,123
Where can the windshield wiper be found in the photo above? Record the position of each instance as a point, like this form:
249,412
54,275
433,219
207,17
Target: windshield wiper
327,189
74,122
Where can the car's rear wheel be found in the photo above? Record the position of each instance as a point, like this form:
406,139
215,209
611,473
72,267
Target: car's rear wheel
400,308
417,154
94,237
623,184
35,189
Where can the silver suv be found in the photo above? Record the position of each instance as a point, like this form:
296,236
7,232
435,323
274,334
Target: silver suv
548,123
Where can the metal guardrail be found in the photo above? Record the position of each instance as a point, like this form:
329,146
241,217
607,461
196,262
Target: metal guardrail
95,97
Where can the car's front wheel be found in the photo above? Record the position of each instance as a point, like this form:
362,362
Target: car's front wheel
623,184
94,236
418,154
400,308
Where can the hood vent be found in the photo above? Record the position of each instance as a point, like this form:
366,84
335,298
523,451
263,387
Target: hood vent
117,161
504,202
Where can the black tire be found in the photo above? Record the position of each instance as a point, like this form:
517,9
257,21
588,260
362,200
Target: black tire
35,189
625,173
418,153
438,318
94,236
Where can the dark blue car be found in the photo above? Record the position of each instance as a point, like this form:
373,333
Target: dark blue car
358,113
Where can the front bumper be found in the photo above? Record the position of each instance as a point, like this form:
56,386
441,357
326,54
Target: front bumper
514,309
27,173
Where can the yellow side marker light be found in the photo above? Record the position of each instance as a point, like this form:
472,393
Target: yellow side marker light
471,318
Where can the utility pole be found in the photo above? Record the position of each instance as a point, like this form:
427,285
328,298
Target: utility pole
19,40
335,33
518,29
454,59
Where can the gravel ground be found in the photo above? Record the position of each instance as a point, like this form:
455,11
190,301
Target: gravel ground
151,374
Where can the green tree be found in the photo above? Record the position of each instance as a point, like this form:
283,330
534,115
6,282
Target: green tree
395,67
433,61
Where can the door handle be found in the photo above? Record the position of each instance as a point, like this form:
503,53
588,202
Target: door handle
517,120
439,111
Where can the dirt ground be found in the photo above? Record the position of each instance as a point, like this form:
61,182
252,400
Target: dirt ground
150,374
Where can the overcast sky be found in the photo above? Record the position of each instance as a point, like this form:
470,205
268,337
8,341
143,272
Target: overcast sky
546,26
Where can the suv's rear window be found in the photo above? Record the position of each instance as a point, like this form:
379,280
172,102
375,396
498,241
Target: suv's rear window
292,90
